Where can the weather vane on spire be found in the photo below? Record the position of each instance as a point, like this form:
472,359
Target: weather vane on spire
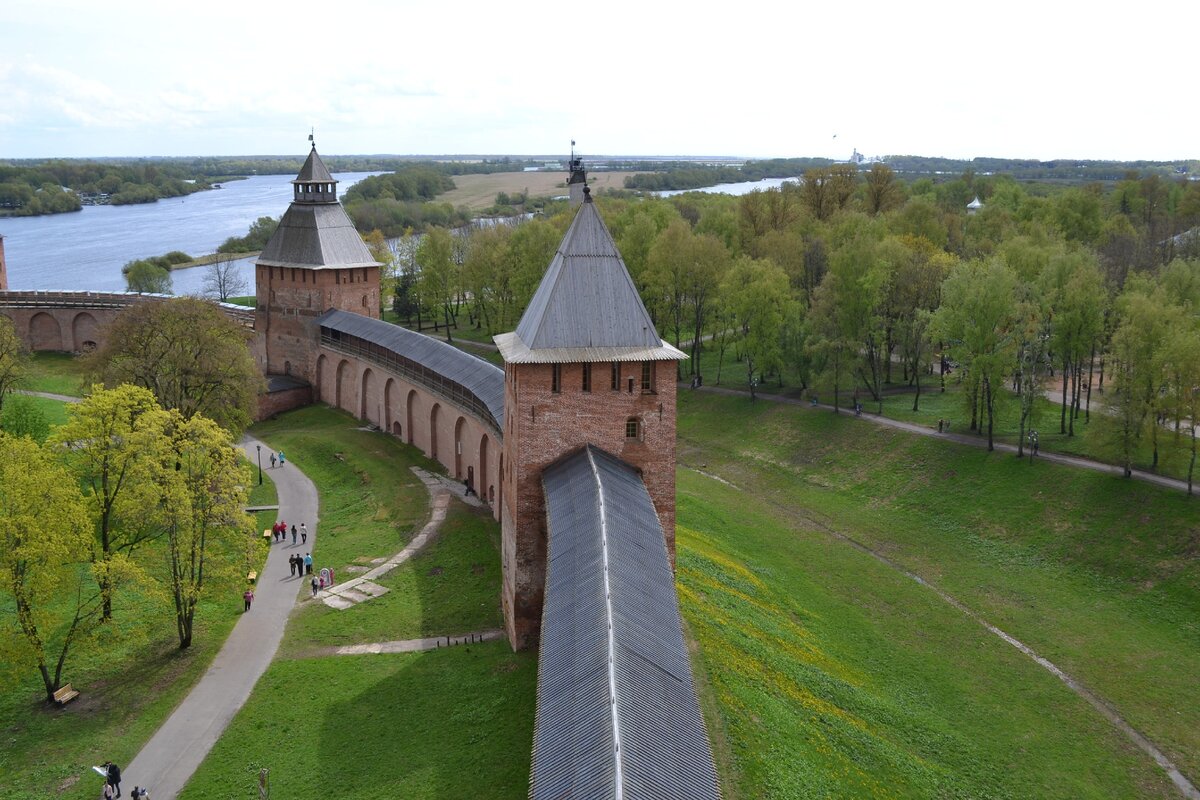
311,131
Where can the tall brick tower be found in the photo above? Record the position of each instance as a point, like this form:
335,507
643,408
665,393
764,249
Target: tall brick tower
315,261
585,366
3,269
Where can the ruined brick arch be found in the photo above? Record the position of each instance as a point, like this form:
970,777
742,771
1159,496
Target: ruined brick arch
84,333
408,413
45,332
340,379
458,446
368,410
433,437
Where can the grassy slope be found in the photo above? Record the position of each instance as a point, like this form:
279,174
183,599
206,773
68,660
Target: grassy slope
456,722
871,674
57,373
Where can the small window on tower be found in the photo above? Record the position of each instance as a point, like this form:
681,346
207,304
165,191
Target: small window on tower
616,376
587,377
647,377
556,378
633,428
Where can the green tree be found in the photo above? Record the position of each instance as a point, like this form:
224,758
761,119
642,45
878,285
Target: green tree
208,533
22,417
883,191
145,277
14,359
113,444
439,282
44,545
188,354
757,294
978,317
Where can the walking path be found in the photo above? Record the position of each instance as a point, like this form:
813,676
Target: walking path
168,760
408,645
62,398
961,438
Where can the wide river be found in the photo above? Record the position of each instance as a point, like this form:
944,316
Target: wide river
86,249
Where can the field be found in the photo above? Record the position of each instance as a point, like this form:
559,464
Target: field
452,722
829,672
479,191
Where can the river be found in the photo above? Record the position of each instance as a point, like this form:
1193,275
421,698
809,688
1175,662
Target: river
86,249
746,187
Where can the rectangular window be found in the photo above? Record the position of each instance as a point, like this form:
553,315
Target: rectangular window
631,429
556,378
647,377
587,377
616,376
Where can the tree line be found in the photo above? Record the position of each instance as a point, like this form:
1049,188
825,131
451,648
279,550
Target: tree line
854,281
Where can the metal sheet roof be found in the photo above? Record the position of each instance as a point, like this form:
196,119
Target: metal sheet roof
617,714
514,351
586,298
480,379
316,236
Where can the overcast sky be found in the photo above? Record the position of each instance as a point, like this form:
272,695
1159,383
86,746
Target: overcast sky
1020,79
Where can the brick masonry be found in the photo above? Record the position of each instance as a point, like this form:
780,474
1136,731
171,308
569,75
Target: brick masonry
542,426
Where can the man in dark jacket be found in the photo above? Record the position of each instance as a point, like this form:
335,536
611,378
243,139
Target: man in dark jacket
114,776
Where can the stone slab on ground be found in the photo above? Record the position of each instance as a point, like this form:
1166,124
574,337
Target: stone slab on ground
338,602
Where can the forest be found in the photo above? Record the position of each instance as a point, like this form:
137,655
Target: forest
854,281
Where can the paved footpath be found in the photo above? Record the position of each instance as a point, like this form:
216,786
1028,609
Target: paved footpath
171,756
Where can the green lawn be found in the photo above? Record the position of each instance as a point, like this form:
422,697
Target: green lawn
877,686
57,373
454,722
448,723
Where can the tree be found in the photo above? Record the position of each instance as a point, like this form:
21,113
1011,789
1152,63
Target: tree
439,281
757,294
44,544
1181,356
189,354
145,277
207,530
827,190
14,358
883,190
113,444
223,279
978,317
22,417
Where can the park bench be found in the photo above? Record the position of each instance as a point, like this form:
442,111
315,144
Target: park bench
252,576
266,533
65,695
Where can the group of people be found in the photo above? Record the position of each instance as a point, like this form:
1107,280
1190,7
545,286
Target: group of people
112,784
280,531
281,459
300,564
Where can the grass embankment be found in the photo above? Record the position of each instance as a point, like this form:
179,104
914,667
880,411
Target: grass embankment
212,258
454,722
830,673
478,192
1093,438
56,373
130,680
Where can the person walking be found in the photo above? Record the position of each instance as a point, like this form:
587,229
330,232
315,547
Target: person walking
303,533
292,564
281,459
308,563
272,461
248,598
113,777
314,585
293,534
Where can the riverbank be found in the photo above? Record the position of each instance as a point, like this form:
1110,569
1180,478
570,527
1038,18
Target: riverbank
212,258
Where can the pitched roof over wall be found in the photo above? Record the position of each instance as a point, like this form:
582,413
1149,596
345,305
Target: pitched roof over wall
585,302
607,571
434,364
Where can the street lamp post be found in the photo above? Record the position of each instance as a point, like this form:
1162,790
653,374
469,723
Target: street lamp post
258,447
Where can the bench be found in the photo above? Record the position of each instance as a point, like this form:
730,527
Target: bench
252,576
65,695
266,533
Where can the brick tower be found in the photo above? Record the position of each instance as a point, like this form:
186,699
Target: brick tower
315,261
585,366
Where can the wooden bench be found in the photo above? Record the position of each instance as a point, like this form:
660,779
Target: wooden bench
252,576
65,695
266,533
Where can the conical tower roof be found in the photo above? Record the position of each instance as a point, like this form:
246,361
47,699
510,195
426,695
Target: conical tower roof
586,307
316,232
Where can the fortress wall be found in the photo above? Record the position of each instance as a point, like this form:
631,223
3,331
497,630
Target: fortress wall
468,448
72,330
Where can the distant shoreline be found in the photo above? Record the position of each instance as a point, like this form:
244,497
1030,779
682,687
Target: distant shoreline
212,258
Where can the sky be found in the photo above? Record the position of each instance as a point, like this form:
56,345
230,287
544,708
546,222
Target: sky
755,79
